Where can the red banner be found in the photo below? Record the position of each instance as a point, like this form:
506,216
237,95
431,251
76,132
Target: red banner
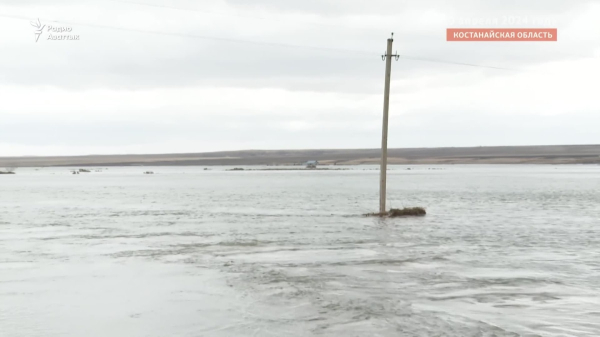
501,34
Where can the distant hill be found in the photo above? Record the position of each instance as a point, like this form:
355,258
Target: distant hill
555,154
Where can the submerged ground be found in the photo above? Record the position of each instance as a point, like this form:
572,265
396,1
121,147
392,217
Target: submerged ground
503,251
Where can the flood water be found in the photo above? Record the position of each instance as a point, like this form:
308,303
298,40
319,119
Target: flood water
503,251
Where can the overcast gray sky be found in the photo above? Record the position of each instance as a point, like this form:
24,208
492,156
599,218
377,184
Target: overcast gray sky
159,76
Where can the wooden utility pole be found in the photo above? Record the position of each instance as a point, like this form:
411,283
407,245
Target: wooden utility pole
384,134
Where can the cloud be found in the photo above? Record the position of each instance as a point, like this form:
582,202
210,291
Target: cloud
229,74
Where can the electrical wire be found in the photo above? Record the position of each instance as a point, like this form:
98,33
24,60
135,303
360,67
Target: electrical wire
203,37
262,18
270,44
456,63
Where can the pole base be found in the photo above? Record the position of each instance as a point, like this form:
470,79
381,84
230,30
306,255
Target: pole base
401,212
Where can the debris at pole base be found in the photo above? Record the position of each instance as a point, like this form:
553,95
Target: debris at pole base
407,211
401,212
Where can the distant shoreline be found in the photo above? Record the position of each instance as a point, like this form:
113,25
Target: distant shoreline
291,169
551,154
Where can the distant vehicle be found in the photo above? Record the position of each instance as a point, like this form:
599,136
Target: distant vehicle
148,172
312,164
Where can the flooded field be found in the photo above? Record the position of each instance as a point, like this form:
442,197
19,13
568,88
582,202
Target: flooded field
503,251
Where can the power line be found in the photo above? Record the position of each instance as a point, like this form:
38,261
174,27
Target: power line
203,37
214,13
265,18
262,18
456,63
270,44
312,24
